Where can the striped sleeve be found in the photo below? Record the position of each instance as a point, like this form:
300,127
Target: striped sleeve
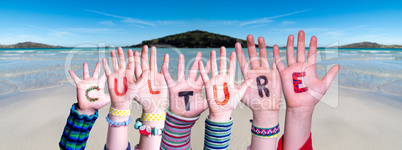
177,132
76,131
217,134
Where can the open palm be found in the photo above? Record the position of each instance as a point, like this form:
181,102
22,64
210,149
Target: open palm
301,86
90,91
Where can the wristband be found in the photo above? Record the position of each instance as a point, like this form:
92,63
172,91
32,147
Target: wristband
120,113
265,132
118,124
145,129
217,134
153,117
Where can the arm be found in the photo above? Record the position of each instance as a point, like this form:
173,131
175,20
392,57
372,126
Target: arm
302,89
223,95
119,82
152,96
83,114
263,96
185,105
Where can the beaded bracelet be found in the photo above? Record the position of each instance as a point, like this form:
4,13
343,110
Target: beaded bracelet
265,132
146,130
118,124
153,117
120,113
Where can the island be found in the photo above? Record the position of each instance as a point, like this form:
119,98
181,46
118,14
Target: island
29,45
193,39
369,45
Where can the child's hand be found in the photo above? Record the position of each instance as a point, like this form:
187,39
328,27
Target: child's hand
121,81
185,95
301,87
264,94
151,89
90,91
222,93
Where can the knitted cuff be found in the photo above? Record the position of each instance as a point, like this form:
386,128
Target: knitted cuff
177,132
217,134
76,131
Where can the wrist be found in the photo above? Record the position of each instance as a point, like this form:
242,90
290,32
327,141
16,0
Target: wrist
220,117
121,105
88,112
266,119
300,112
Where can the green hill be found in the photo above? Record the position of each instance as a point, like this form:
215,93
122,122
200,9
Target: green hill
29,45
193,39
369,45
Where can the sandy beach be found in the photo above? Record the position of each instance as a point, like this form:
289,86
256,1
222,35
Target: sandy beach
363,120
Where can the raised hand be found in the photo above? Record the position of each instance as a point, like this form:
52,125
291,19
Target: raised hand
222,93
301,86
185,96
302,89
264,93
263,96
90,91
152,90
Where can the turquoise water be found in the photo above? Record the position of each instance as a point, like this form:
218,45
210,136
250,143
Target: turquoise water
30,69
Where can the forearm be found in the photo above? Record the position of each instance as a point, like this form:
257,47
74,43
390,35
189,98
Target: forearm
117,137
177,132
297,127
152,141
77,129
266,119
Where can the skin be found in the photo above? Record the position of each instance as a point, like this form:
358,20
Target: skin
84,106
176,103
151,103
265,109
300,106
217,112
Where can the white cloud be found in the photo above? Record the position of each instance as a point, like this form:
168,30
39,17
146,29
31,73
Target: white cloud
285,23
109,23
269,19
124,19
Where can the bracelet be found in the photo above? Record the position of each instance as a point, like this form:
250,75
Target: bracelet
120,113
265,132
153,117
118,124
146,130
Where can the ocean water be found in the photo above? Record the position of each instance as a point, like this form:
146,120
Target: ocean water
32,69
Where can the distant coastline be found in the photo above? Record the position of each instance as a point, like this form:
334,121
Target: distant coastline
199,39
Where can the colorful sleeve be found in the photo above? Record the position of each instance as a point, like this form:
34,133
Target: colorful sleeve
308,145
177,132
76,131
217,134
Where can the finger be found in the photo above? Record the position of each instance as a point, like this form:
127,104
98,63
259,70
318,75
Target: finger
153,59
102,79
106,67
194,69
252,52
130,60
331,74
96,71
114,61
165,61
207,69
290,51
122,58
278,60
180,68
312,52
137,68
263,53
144,58
166,74
74,77
301,56
222,64
214,66
242,60
203,72
232,67
86,72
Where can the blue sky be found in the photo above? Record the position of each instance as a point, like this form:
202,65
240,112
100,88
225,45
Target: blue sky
121,23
